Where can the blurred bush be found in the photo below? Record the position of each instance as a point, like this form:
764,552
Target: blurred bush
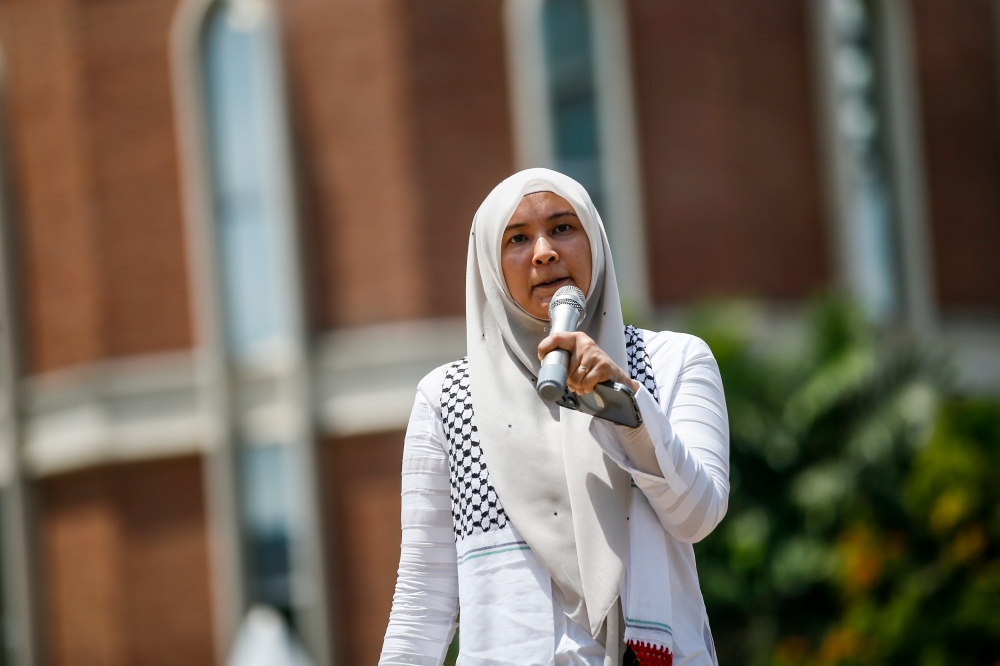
864,518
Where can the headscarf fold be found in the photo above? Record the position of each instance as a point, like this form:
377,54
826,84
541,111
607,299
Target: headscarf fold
567,498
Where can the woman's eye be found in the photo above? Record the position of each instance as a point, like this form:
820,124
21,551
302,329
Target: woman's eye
518,238
560,228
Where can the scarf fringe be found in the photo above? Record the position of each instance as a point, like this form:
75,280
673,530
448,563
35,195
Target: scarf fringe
648,654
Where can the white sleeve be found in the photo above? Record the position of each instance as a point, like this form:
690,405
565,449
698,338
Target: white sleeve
424,607
689,429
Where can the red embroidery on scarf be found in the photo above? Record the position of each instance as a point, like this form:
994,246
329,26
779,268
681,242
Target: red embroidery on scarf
648,654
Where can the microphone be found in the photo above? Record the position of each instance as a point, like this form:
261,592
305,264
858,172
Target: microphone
567,310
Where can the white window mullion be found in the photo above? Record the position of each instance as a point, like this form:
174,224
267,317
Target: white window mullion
528,84
619,141
603,155
870,131
906,146
19,591
262,478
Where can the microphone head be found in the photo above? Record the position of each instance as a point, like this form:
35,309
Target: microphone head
569,295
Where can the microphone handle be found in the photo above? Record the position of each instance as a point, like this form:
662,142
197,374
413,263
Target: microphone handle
552,375
551,384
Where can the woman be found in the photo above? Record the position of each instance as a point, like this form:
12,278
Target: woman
561,538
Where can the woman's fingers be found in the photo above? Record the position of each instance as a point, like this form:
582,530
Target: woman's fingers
591,371
567,341
578,373
589,365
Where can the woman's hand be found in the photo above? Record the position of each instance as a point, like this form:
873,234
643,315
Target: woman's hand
588,364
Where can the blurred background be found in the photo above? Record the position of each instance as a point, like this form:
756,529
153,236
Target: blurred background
234,236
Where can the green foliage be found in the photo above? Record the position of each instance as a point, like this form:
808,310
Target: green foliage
864,517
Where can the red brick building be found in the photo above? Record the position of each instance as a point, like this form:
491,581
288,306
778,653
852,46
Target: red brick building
234,239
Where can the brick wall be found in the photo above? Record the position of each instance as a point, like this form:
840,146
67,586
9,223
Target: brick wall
134,170
362,484
125,566
959,77
93,158
349,93
728,144
463,131
402,127
49,155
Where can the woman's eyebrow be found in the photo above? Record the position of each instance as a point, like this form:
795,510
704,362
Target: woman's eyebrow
553,216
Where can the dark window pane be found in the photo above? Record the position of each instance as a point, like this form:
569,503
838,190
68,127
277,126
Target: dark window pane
572,94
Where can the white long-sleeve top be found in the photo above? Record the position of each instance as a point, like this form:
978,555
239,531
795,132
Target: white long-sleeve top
508,614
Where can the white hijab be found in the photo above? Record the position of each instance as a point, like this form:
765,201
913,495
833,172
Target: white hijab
563,494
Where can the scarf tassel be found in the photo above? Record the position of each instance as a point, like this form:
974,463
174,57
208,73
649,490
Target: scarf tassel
648,654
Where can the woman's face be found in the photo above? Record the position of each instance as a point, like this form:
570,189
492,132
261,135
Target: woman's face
544,247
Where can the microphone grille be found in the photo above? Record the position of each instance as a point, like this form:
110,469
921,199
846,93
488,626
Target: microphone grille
569,295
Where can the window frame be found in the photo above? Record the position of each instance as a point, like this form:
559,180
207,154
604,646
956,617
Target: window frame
903,147
616,127
222,383
19,588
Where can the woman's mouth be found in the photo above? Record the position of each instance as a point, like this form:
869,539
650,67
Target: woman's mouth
555,282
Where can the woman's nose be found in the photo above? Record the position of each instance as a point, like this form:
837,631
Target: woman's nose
544,253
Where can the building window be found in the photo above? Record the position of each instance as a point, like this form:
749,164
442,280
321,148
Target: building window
571,86
569,63
860,121
242,92
246,273
269,512
872,129
251,210
254,227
